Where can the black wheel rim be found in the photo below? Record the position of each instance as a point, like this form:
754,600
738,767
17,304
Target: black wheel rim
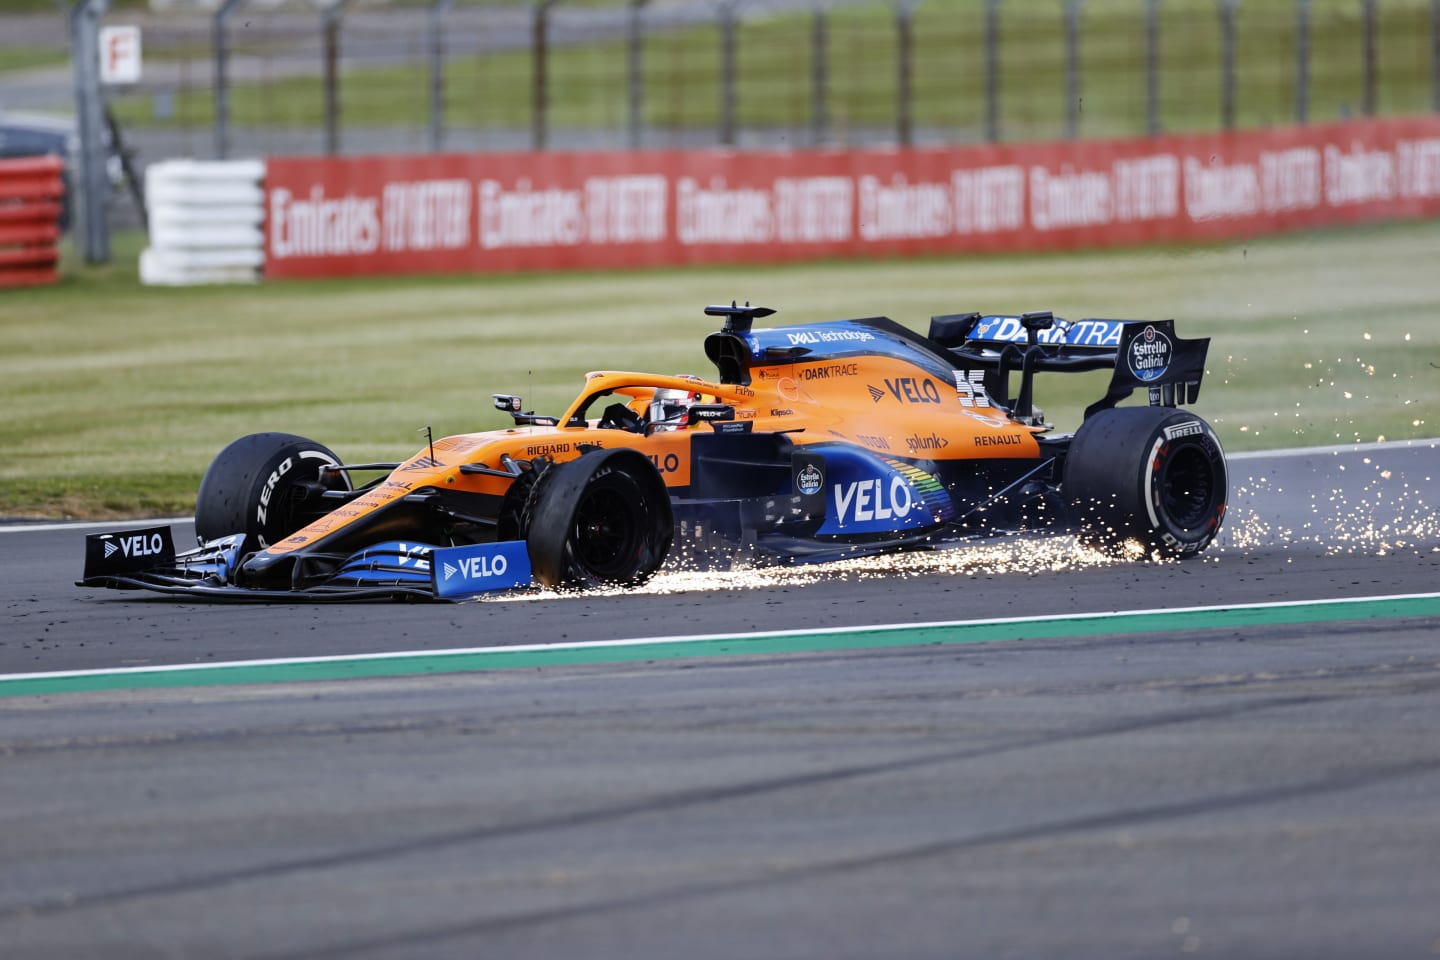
1188,488
606,535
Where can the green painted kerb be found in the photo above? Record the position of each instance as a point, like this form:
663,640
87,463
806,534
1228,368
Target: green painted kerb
1218,618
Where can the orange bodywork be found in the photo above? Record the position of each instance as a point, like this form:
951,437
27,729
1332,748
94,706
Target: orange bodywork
878,403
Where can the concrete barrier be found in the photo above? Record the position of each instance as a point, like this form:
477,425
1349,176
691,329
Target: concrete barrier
206,222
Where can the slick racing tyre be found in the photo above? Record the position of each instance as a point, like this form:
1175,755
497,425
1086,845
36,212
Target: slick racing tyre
256,485
1155,476
601,519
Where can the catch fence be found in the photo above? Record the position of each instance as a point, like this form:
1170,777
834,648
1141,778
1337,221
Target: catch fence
451,75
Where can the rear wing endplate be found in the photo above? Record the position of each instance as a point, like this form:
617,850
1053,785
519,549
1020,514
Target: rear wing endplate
1152,357
1142,353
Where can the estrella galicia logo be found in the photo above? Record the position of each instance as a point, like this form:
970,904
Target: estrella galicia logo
1149,355
810,480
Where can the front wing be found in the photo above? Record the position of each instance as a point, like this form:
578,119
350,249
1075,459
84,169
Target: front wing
147,560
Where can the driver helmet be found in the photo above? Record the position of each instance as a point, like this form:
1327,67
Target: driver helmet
670,408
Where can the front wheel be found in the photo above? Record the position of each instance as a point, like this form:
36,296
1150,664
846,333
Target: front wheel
1152,475
601,519
255,485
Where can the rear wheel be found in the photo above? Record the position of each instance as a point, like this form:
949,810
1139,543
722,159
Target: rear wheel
601,519
256,486
1148,475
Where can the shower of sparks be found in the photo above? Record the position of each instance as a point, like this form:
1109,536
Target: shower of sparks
1027,554
1386,515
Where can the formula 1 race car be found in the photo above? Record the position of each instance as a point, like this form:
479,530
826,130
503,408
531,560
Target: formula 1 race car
813,442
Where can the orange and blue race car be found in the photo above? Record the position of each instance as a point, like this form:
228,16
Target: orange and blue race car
812,442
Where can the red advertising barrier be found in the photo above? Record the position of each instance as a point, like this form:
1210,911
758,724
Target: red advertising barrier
30,199
503,212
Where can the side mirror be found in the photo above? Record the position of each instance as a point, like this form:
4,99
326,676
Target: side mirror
514,406
508,404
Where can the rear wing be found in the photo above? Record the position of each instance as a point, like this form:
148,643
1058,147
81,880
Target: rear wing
1144,354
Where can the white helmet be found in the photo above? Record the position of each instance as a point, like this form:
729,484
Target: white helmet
670,409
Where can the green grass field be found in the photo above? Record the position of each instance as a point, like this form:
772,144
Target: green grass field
116,396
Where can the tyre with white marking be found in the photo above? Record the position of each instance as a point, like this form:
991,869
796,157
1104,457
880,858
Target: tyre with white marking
259,484
1152,476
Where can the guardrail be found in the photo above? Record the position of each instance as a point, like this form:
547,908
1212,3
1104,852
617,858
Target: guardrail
32,195
205,222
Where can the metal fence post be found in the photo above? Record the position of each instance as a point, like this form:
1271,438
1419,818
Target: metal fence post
819,79
1152,67
1228,10
904,68
1369,71
540,80
992,70
1302,61
330,17
1435,55
635,74
222,77
727,72
436,43
94,185
1072,68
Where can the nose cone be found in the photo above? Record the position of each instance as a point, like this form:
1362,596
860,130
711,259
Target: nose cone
266,570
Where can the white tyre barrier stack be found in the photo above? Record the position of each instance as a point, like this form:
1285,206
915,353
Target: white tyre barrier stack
206,222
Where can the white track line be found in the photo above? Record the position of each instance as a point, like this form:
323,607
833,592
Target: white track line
84,525
1335,450
705,637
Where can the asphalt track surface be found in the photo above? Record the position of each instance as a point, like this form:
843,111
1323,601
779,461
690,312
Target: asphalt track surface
1245,781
